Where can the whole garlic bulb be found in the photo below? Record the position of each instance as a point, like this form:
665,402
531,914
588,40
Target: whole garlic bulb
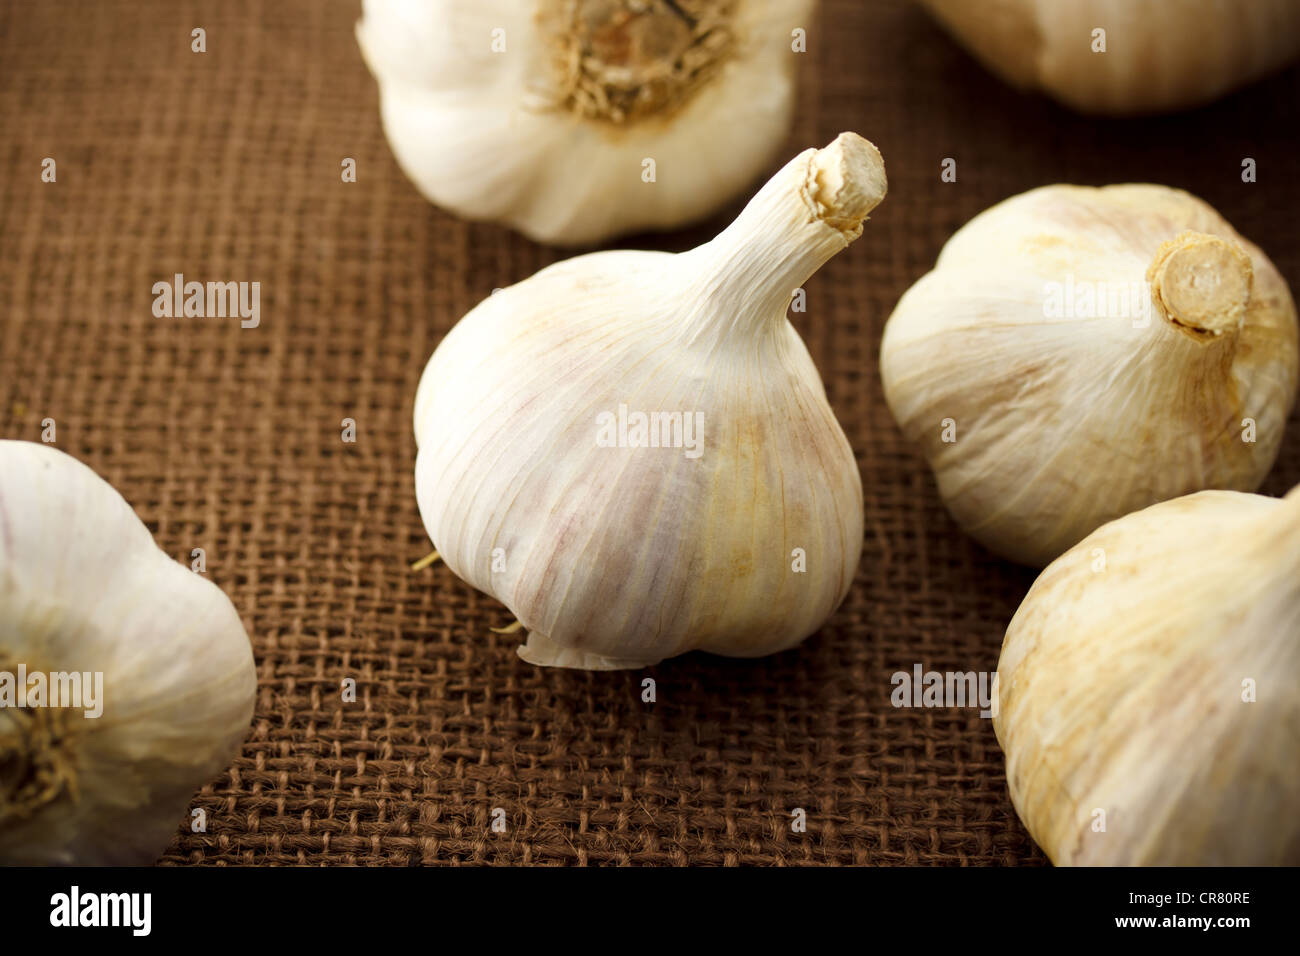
577,120
1078,353
1149,689
1158,55
740,532
84,589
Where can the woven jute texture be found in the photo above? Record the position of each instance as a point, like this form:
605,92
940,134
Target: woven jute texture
225,166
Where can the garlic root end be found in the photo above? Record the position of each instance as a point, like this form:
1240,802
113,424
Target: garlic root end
38,761
425,561
540,651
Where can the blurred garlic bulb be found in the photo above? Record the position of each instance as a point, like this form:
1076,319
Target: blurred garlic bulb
1149,689
577,120
95,614
633,450
1079,353
1152,56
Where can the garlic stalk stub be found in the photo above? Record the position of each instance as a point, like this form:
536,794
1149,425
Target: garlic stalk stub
1079,353
1127,57
616,545
1149,689
137,676
577,120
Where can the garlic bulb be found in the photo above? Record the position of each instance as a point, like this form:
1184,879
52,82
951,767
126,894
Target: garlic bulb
577,120
1126,57
1079,353
633,450
126,680
1149,689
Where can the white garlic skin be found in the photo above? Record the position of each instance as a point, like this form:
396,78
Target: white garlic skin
1160,55
621,557
1121,686
1062,424
83,587
469,127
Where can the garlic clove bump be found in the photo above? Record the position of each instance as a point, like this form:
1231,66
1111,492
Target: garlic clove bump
154,659
733,524
1149,689
578,120
1122,57
1078,353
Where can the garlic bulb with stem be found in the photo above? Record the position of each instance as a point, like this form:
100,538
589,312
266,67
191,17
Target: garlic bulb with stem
1078,353
1149,689
147,662
1150,56
633,450
577,120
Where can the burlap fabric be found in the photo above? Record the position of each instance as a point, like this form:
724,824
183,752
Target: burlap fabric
226,166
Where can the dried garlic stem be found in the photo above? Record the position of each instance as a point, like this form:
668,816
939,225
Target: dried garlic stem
1201,284
803,216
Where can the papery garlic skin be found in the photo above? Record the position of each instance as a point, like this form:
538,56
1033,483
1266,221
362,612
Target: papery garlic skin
1149,689
496,136
617,556
1042,426
84,588
1160,55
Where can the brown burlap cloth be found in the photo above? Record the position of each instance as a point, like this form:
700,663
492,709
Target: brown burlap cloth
225,166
